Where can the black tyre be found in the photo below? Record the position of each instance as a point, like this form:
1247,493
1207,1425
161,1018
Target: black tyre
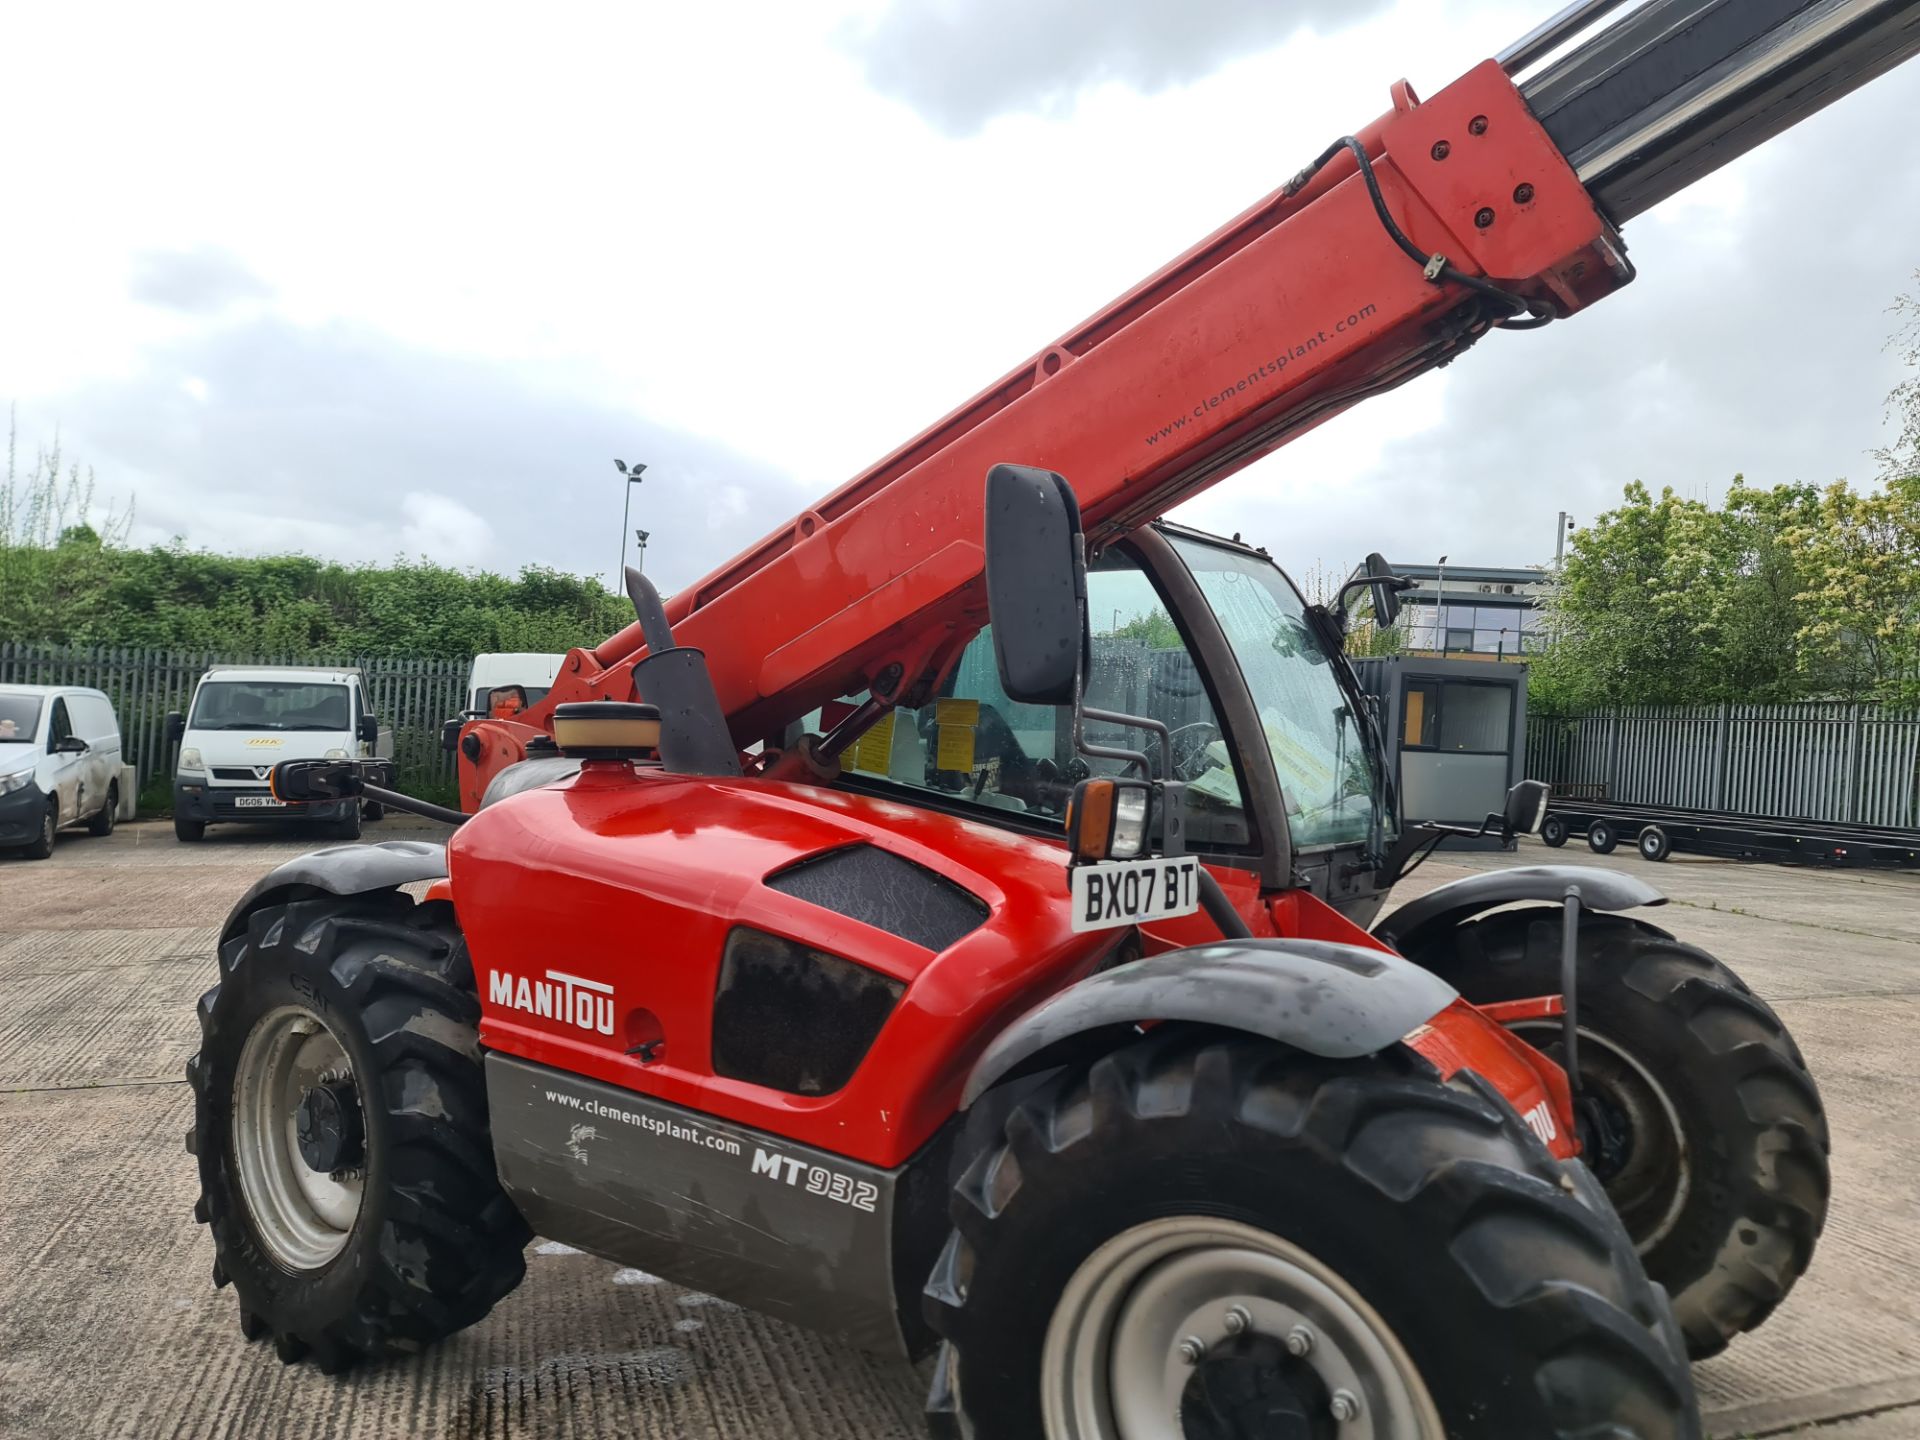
374,1222
1699,1117
372,812
189,831
1602,837
349,828
102,821
1553,831
1289,1237
1654,844
41,846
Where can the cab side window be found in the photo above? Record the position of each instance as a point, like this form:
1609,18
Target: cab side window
59,727
977,747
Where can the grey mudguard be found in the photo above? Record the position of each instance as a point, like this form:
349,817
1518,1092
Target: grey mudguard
1327,999
788,1230
340,870
1407,928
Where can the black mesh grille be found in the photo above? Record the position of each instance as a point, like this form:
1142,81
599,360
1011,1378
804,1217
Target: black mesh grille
878,888
793,1018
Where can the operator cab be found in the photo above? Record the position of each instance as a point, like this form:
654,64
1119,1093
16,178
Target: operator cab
1268,730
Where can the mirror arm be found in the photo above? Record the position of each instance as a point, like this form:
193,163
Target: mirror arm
1132,722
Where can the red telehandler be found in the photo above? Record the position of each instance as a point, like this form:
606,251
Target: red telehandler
944,925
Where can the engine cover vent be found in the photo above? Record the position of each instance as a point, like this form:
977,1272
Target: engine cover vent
878,888
793,1018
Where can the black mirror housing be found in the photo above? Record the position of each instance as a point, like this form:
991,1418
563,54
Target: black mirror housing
176,727
72,745
1386,597
369,729
1036,583
1526,807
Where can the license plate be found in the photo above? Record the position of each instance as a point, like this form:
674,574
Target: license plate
258,802
1126,892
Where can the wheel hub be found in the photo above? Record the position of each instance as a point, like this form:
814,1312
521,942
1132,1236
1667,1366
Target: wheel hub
1252,1388
328,1125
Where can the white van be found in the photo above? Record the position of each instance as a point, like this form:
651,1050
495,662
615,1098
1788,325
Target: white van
533,673
59,764
245,720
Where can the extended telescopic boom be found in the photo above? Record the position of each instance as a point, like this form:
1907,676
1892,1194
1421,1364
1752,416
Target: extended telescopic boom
1493,204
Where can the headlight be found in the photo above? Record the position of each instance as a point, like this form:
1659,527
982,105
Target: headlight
190,758
1129,823
335,754
19,781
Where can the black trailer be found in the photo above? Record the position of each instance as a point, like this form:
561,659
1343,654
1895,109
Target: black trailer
1658,831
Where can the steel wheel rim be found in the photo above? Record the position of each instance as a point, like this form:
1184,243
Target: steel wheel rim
303,1218
1632,1088
1114,1367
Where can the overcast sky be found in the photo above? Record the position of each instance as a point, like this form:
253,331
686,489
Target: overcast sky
404,279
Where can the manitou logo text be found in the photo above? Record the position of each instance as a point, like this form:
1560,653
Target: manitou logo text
569,999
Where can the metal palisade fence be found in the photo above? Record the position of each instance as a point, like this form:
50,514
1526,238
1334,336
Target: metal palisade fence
412,695
1857,764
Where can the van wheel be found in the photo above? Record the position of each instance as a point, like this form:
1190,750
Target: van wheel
349,828
189,830
41,846
372,812
102,823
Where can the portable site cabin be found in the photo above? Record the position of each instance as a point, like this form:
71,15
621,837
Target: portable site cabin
1456,733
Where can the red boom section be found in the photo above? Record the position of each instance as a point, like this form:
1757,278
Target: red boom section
1298,308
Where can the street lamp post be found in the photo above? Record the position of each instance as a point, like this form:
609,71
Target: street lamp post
632,472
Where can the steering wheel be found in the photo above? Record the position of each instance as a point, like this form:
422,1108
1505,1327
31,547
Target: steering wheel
1189,743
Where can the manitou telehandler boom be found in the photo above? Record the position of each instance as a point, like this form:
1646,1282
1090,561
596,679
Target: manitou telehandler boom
966,952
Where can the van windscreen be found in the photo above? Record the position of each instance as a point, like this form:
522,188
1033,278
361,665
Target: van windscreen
19,718
271,705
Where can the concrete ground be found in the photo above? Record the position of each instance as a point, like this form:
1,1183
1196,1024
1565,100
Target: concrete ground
109,1325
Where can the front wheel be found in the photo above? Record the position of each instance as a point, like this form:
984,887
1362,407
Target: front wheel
188,831
1698,1113
41,846
340,1122
1209,1237
1602,837
1553,831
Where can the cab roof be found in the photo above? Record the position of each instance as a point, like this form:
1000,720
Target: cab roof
320,674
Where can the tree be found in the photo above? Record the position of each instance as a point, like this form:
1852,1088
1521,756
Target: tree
1862,565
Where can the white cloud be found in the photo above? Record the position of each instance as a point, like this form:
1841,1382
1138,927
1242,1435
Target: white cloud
441,527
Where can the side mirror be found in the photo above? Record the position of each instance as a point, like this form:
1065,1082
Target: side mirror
1386,597
176,727
1526,807
369,729
450,734
1036,583
72,745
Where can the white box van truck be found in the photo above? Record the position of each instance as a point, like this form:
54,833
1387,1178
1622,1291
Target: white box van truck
245,720
59,764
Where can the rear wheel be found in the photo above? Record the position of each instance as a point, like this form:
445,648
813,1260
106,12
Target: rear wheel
102,822
1698,1113
1654,844
340,1123
1212,1237
1553,831
1602,837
